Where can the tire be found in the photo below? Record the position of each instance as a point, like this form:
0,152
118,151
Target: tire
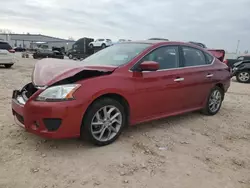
70,56
243,76
103,45
8,65
91,46
208,110
93,132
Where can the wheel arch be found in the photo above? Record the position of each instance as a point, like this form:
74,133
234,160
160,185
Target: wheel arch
118,97
221,86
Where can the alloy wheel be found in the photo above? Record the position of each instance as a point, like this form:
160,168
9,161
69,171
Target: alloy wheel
244,76
215,100
106,123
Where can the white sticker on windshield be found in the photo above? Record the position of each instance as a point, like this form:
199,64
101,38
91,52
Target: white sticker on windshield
120,57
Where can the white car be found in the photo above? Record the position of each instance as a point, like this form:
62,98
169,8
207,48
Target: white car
7,56
100,43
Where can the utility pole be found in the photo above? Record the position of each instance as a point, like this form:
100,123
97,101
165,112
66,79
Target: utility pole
238,43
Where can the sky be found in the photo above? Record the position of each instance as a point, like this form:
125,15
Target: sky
217,23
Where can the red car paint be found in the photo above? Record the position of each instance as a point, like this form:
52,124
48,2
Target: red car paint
150,95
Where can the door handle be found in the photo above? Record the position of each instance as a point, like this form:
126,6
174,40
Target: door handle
179,79
209,75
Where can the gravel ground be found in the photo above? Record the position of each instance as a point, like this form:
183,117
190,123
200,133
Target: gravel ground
190,150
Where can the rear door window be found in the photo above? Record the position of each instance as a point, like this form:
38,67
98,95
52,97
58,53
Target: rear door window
193,57
4,46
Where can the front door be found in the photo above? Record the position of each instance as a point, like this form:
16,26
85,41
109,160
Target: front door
157,93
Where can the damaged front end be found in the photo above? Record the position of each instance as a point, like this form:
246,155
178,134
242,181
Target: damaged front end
84,74
23,95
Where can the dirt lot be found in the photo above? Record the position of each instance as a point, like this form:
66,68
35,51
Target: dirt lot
191,150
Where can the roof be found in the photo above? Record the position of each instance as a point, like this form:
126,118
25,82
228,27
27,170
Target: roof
164,42
158,42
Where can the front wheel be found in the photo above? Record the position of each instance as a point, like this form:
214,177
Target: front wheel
103,122
243,76
214,101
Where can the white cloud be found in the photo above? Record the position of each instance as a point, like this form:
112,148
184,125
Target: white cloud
218,24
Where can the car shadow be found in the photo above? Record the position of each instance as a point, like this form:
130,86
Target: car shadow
49,145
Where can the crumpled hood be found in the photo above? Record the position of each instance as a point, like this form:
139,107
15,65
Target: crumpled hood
49,71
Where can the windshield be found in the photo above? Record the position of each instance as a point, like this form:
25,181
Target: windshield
116,55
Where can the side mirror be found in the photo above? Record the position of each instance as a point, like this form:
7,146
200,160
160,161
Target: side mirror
149,66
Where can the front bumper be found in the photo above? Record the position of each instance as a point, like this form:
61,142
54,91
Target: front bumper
48,119
234,71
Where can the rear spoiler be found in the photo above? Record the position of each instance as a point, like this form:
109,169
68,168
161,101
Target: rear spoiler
219,54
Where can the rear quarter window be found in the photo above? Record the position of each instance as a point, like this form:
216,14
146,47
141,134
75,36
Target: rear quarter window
193,56
209,58
5,46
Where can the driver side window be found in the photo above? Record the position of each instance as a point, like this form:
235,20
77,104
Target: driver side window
167,57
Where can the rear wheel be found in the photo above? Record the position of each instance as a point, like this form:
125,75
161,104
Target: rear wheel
103,122
214,101
243,76
8,65
103,45
91,46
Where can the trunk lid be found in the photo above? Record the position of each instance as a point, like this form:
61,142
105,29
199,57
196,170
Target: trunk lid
219,54
49,71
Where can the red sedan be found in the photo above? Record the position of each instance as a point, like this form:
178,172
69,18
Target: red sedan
125,84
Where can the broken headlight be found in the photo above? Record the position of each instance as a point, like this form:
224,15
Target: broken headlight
61,92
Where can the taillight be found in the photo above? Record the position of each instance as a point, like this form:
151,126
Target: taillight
225,61
12,51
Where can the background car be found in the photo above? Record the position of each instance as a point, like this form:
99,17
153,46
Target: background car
241,70
7,57
100,43
47,53
231,62
198,44
81,49
158,39
125,84
19,49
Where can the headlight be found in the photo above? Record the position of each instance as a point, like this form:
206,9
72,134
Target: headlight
235,68
62,92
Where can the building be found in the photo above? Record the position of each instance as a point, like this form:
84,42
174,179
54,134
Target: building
34,40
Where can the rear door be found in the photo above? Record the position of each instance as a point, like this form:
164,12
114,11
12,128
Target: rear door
198,73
